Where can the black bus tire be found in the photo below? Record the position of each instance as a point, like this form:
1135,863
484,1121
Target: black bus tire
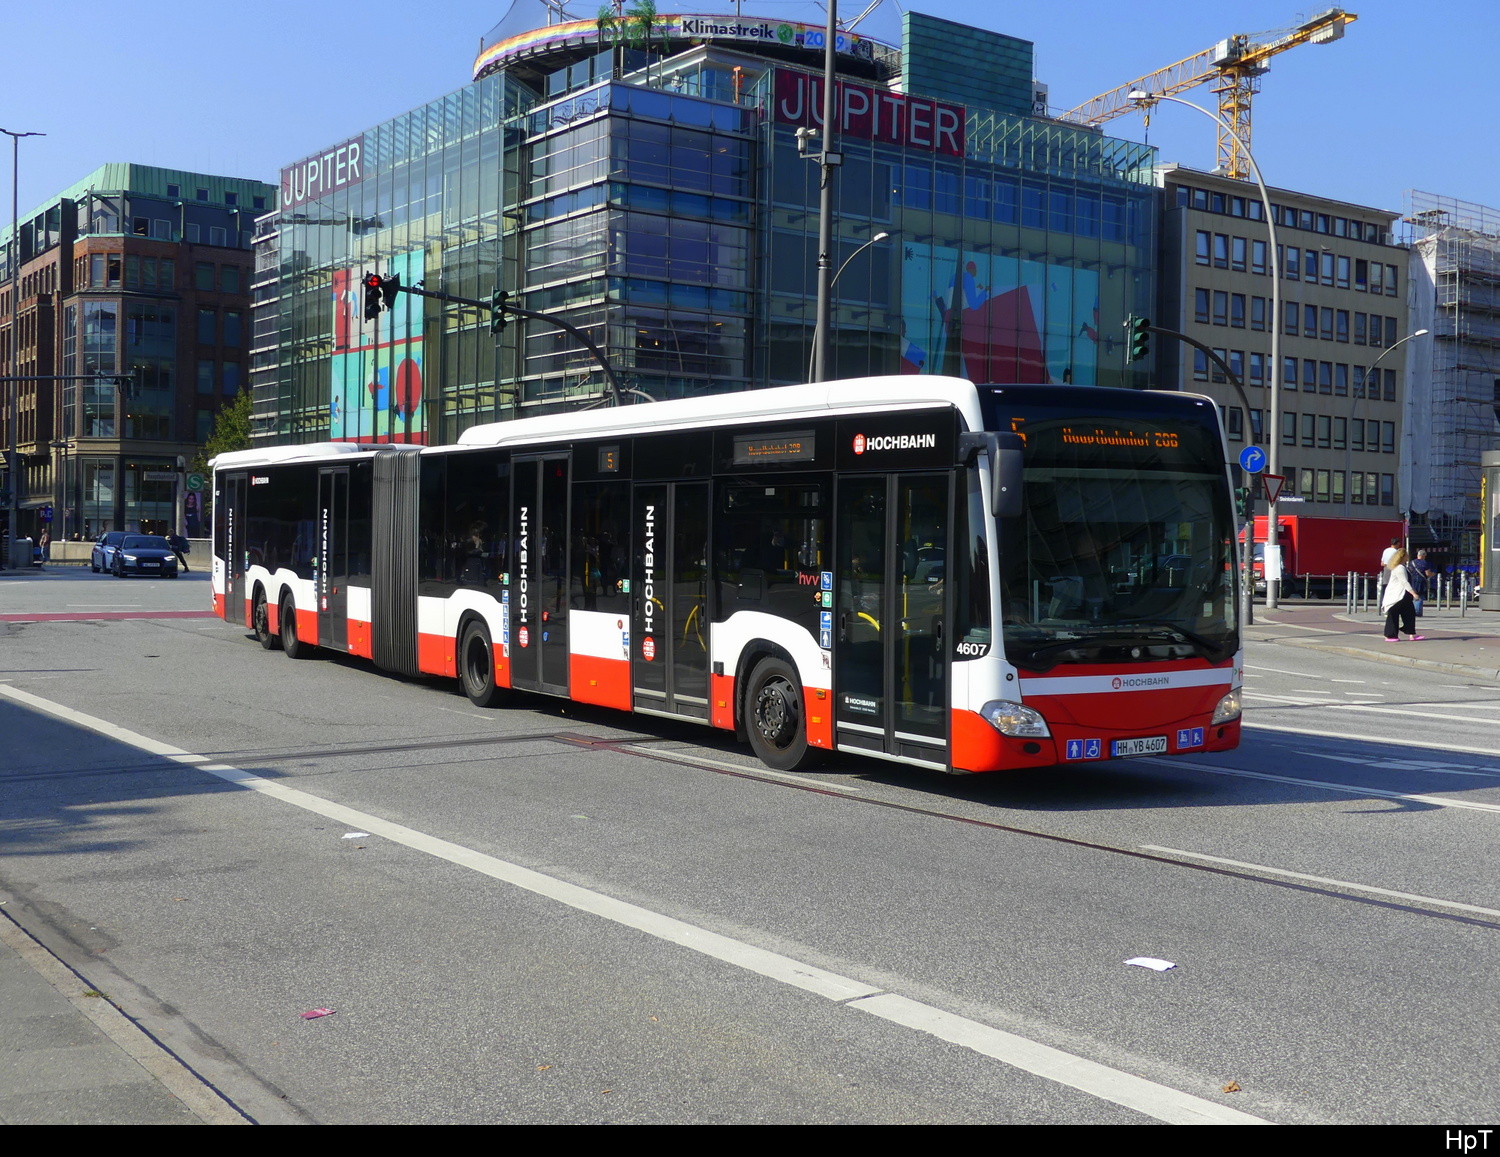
476,666
294,647
775,719
260,622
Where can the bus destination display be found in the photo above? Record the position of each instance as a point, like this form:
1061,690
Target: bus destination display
753,449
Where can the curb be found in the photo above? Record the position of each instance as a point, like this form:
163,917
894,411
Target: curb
200,1098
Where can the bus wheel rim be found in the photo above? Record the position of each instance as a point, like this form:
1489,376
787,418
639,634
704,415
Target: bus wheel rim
775,716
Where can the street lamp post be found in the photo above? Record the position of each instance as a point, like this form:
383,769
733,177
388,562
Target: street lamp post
812,366
828,160
1145,101
60,486
1370,373
15,313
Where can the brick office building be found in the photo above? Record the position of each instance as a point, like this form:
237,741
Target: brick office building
135,271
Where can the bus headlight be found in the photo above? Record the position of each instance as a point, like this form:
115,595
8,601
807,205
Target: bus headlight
1015,719
1228,708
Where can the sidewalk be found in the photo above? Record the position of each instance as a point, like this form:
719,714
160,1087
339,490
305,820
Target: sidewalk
70,1057
1468,645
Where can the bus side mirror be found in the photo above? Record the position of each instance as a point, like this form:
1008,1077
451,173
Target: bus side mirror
1004,452
1006,494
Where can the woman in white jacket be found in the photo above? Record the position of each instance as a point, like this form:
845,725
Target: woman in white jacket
1397,601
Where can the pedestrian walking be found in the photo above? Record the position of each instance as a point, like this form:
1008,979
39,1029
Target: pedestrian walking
46,545
1398,601
1385,566
180,546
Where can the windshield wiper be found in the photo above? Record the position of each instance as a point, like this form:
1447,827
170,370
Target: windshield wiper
1169,627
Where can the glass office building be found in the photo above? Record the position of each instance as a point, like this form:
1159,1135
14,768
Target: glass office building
653,189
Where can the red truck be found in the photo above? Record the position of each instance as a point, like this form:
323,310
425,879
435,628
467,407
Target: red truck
1312,549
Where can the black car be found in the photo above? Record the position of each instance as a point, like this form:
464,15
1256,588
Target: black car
143,554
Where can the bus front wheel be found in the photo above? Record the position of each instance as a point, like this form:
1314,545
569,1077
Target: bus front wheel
775,719
260,621
476,667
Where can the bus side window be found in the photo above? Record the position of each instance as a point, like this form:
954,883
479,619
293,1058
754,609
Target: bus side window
971,606
770,545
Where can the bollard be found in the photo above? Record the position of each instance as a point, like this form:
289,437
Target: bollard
1463,600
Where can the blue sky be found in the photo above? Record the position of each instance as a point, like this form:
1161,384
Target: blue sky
1402,101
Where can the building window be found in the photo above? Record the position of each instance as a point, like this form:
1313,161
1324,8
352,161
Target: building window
1309,429
1341,325
1325,431
1257,417
1221,307
231,379
1257,254
229,278
201,194
1237,254
1340,433
1341,380
1390,385
232,327
1258,313
217,235
1327,268
1221,250
1309,321
1387,490
1325,377
174,191
1237,310
1361,274
1200,306
1293,264
1307,483
203,275
1390,281
1215,372
1289,428
205,376
1292,310
231,198
1357,488
1257,369
1200,366
1356,434
205,427
1359,329
1325,323
206,327
1323,487
258,202
1237,365
1377,277
1289,373
1387,437
1309,376
140,226
1236,424
1343,273
191,232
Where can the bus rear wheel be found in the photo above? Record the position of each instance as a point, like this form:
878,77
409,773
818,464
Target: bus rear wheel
476,667
294,647
260,622
775,719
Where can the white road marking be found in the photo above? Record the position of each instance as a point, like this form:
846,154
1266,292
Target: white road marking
1277,670
1410,765
1345,884
1136,1093
1366,738
1341,788
1360,681
1305,702
679,757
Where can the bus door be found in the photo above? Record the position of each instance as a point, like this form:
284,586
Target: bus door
539,574
669,598
231,509
892,615
333,558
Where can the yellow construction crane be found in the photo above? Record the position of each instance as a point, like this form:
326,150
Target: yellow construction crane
1235,65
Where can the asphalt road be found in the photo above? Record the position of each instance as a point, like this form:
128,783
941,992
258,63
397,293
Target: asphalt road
566,915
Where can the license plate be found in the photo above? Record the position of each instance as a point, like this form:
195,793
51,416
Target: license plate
1155,745
148,562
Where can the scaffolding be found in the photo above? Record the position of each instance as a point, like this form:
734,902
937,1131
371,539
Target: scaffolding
1454,398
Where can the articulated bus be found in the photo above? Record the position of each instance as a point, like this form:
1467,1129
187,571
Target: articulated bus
963,578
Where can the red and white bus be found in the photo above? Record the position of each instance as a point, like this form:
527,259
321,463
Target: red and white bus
912,568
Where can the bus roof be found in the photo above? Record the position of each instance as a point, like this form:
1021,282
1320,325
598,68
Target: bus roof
854,395
269,455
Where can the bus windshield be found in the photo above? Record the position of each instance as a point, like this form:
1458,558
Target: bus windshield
1125,551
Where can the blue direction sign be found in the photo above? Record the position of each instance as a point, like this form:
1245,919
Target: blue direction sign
1252,459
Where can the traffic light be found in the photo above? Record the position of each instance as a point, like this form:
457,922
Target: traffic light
373,296
497,310
390,288
1140,337
1244,503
